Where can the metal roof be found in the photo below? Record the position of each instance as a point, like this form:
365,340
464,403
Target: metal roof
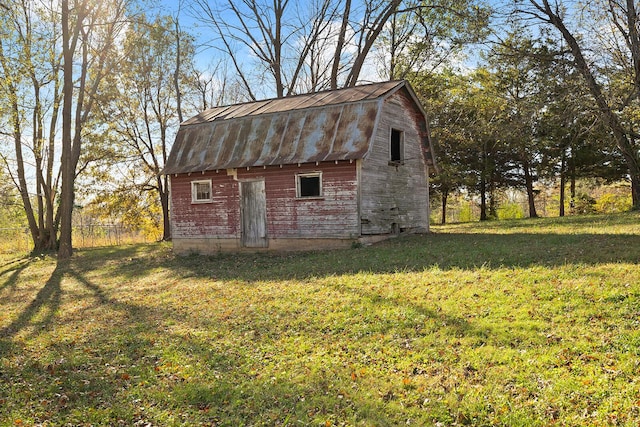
329,125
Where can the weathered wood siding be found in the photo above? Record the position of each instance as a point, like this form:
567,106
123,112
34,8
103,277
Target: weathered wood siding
396,197
253,214
334,215
220,218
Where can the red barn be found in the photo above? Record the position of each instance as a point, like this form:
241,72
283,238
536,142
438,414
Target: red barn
309,171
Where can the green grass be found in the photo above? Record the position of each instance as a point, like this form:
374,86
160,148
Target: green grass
512,323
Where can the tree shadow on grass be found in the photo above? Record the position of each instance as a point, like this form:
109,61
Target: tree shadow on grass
444,251
47,299
15,263
85,374
12,269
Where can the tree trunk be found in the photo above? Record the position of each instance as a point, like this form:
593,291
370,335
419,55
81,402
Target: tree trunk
562,197
572,189
22,181
393,49
445,196
483,199
86,87
528,180
277,49
50,187
68,171
176,74
635,189
493,200
563,178
335,66
163,190
483,183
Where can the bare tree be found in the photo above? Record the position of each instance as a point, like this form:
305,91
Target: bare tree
298,46
212,86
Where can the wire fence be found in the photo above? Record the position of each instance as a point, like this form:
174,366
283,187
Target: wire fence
18,239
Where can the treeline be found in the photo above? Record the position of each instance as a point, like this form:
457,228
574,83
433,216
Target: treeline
554,100
520,94
520,121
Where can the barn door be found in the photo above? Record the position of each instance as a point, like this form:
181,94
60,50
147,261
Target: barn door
253,214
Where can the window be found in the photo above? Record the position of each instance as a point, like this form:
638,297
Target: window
309,185
201,191
396,147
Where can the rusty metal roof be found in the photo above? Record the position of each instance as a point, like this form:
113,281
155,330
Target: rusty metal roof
330,125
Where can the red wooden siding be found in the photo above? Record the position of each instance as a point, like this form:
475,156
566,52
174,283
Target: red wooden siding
220,218
334,215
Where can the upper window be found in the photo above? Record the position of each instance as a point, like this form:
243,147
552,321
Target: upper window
309,185
201,191
396,146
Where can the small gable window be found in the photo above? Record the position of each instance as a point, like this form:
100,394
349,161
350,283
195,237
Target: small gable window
309,185
396,147
201,191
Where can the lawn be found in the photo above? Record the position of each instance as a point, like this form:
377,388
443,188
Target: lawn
511,323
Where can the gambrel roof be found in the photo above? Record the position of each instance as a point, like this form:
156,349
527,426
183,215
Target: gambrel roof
322,126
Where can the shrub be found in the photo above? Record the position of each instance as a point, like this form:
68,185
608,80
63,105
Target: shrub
613,203
466,213
510,211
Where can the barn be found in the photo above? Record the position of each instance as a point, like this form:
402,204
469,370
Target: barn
320,170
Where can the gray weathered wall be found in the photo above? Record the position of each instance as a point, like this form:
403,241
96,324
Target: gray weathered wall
393,194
